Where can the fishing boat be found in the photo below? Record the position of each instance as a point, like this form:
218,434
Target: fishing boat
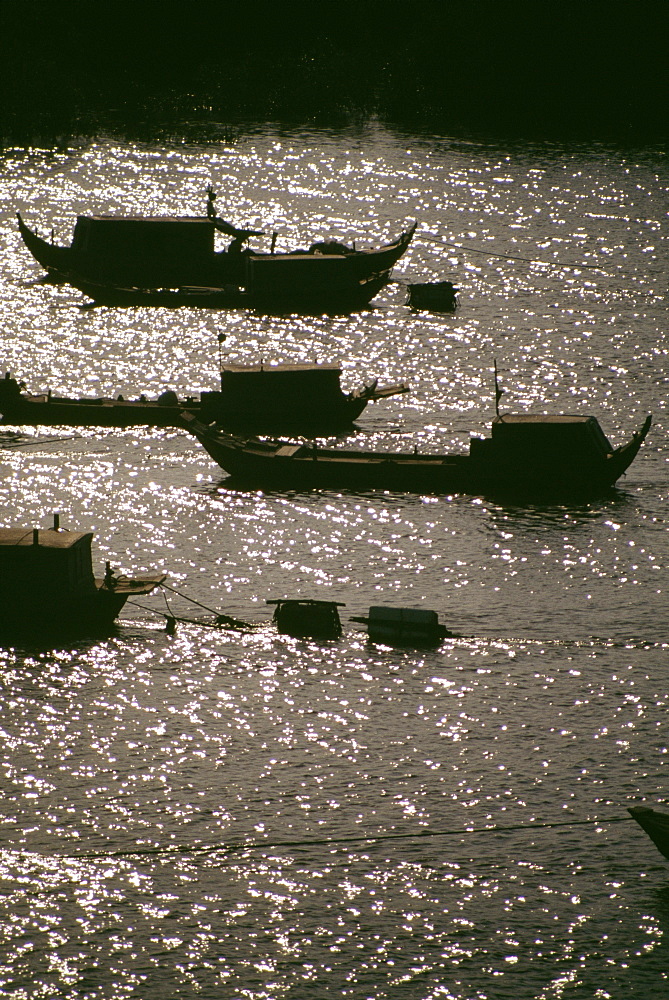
261,398
47,583
655,824
126,259
542,455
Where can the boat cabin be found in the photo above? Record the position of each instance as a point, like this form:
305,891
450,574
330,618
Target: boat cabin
289,382
34,562
168,240
47,583
298,393
309,273
535,440
528,432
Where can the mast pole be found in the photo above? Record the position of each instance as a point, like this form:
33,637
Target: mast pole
221,339
498,392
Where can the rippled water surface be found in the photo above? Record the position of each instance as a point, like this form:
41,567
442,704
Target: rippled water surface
218,813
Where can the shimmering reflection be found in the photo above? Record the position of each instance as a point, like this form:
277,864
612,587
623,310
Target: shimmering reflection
370,920
223,812
280,740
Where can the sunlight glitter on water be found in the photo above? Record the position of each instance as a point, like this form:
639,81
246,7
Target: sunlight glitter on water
231,742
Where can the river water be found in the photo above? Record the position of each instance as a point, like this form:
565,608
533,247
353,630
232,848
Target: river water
213,813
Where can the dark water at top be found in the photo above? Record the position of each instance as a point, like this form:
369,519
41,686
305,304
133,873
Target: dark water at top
180,813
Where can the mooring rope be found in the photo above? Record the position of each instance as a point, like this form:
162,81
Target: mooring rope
221,620
251,845
506,256
166,586
39,441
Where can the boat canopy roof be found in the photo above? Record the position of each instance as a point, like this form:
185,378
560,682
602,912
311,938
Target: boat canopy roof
40,563
526,419
283,380
534,432
46,538
172,220
113,234
314,370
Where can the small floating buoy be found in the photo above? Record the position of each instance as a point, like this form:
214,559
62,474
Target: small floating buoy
171,626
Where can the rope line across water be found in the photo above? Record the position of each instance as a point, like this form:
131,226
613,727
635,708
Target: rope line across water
250,845
506,256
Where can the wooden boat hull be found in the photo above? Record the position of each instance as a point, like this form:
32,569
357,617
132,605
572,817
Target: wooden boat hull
655,824
488,469
300,295
194,297
45,411
85,614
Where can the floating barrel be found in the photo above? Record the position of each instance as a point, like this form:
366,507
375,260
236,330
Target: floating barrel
305,619
404,626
